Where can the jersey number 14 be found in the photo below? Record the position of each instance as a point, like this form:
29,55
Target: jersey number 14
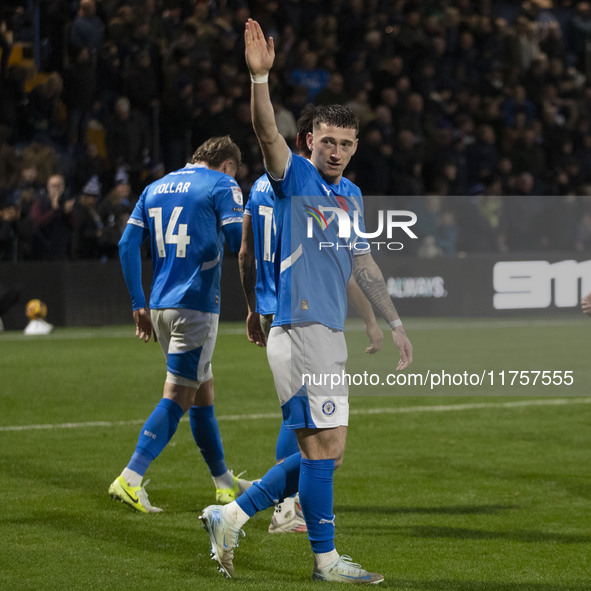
181,238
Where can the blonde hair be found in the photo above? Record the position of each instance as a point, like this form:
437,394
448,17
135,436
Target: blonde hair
215,150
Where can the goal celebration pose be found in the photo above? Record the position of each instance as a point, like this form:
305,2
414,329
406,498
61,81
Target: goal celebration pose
307,332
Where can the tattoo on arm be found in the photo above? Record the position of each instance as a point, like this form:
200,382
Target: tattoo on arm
371,281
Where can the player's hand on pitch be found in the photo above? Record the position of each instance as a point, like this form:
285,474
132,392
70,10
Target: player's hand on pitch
404,347
254,332
143,325
376,338
586,304
260,53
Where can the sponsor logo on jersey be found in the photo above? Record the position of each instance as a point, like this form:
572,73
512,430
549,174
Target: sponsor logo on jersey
237,195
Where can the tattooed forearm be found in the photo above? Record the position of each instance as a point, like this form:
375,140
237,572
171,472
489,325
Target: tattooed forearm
371,281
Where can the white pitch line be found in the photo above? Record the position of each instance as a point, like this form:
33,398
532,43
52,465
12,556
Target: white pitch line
353,325
368,411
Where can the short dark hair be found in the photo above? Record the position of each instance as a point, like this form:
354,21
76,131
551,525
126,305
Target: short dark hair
305,124
215,150
337,116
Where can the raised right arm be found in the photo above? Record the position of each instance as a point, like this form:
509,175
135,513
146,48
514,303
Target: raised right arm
260,55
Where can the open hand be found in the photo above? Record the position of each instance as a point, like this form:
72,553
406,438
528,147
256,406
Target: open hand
260,53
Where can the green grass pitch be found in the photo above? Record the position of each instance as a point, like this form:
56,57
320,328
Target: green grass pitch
460,488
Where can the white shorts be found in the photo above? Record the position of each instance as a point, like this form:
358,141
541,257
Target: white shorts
188,339
303,359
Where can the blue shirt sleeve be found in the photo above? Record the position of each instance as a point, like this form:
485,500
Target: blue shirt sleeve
233,235
227,199
131,263
299,172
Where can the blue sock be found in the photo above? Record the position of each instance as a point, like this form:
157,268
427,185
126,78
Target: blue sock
316,478
155,434
287,443
206,433
279,482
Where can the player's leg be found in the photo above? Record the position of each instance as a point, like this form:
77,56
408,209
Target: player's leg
224,523
182,334
154,435
206,433
158,429
287,441
322,452
320,413
288,516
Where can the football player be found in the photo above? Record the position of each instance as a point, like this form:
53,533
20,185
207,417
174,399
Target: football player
257,273
187,216
307,332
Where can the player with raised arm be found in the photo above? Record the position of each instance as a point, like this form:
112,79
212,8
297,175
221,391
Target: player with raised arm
187,216
307,332
257,273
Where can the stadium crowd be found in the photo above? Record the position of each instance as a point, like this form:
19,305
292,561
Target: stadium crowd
476,114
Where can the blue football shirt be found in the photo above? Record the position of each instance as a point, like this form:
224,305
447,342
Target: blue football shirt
184,214
260,207
316,242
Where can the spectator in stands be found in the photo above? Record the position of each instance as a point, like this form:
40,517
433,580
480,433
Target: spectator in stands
553,44
372,163
13,100
114,211
514,70
516,102
475,231
79,94
86,165
583,233
334,92
579,31
143,87
128,141
44,108
436,224
407,166
482,156
309,75
109,73
415,118
88,226
9,230
528,155
28,182
9,167
520,219
285,120
87,30
361,106
52,218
